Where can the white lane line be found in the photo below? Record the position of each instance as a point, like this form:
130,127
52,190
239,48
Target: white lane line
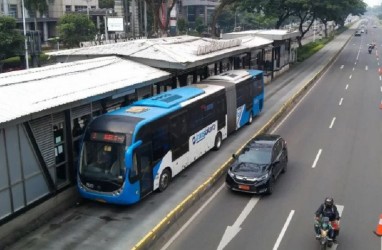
281,235
342,66
353,69
355,63
366,68
380,78
347,86
381,88
340,209
332,123
350,76
317,157
378,63
173,238
343,99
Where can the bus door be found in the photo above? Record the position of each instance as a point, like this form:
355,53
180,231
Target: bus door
145,168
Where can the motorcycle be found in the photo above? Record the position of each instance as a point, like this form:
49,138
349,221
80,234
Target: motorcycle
325,228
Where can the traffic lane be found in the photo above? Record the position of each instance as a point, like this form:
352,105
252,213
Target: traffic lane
362,172
342,157
206,230
306,130
320,187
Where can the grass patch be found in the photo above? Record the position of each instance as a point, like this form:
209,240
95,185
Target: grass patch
309,49
15,62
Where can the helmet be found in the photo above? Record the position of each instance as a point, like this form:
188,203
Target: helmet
329,202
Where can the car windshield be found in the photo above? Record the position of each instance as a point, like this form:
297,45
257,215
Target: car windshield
256,156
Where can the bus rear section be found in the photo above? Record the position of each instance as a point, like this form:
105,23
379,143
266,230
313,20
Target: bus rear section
244,95
152,141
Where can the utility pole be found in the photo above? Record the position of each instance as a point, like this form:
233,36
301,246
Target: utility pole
25,37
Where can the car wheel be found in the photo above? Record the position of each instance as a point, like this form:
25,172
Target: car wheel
285,168
164,180
218,141
271,184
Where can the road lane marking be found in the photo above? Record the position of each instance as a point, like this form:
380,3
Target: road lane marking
331,124
317,157
350,76
353,68
283,230
173,238
343,99
340,209
381,88
366,68
347,86
355,63
232,231
380,78
342,66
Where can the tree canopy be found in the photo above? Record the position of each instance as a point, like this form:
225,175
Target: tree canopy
11,40
305,11
75,28
108,4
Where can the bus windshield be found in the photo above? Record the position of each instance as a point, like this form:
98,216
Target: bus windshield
101,161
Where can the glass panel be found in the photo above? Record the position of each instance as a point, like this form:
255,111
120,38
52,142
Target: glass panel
102,161
5,201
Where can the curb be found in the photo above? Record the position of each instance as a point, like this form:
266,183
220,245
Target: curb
149,239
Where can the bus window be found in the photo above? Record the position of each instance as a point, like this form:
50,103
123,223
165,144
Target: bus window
179,137
160,139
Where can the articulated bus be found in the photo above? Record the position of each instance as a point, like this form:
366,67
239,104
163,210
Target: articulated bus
130,152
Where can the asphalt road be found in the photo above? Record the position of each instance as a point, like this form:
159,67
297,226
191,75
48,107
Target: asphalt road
334,138
92,225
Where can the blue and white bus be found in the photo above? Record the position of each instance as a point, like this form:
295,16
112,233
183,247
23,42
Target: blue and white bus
128,153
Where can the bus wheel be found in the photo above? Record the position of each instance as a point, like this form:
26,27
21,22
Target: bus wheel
164,180
218,141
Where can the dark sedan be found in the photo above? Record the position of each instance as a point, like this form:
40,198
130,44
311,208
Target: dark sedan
260,163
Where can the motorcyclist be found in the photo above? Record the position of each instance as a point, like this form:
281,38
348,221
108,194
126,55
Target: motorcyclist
328,209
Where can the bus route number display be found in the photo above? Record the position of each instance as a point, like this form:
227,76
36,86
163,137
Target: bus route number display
107,137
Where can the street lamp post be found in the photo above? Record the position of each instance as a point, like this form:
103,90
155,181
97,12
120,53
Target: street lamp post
25,38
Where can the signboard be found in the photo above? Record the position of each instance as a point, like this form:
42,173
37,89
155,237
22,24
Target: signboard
115,23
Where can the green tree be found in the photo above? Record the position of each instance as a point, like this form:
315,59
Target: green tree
75,28
106,4
34,6
182,25
199,25
11,40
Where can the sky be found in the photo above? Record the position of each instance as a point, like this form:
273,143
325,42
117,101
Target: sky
372,3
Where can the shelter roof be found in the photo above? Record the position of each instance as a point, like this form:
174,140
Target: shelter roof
180,52
29,91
